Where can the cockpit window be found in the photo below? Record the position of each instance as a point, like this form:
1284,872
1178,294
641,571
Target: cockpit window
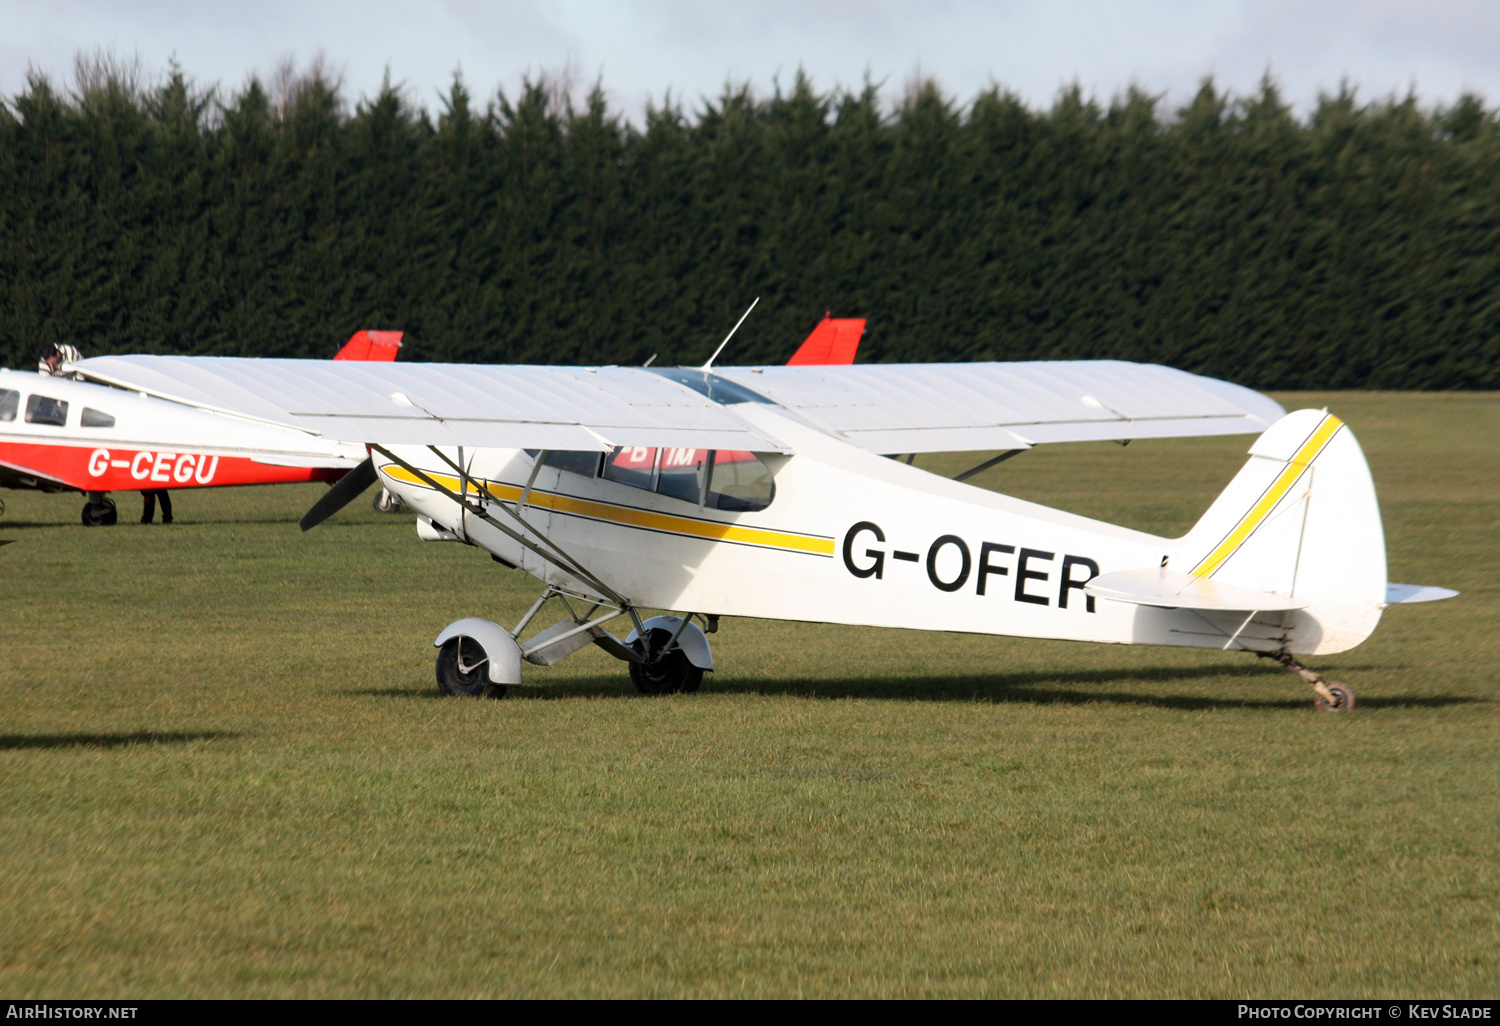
740,482
683,473
585,463
41,409
633,465
735,481
95,418
10,401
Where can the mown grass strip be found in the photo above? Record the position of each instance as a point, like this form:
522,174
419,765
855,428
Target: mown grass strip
225,771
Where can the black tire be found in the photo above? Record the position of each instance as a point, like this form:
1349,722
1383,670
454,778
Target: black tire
454,681
1343,696
669,674
385,502
100,514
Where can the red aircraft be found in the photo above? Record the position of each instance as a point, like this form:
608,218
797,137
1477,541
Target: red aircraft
58,434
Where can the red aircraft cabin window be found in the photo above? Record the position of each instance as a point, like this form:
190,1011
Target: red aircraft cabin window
41,409
10,401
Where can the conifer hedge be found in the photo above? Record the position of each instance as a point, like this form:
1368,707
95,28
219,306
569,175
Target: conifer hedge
1353,248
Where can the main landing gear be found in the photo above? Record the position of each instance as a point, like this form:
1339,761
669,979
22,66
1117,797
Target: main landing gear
462,667
99,511
662,668
667,654
1332,695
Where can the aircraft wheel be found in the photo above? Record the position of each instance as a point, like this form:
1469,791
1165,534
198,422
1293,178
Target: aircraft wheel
385,502
453,680
100,514
671,673
1343,698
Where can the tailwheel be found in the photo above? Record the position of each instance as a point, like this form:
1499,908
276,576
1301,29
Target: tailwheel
666,674
463,670
1340,697
99,512
1330,695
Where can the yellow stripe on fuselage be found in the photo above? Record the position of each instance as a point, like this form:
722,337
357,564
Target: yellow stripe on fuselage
1294,469
630,516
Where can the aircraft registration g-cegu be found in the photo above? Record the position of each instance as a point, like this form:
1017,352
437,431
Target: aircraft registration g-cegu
58,434
770,492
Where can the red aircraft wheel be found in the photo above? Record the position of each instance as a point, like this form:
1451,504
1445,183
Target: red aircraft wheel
99,514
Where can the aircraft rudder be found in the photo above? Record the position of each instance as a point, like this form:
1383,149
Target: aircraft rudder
833,342
371,346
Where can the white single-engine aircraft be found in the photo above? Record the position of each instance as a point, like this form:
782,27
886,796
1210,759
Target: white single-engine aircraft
767,492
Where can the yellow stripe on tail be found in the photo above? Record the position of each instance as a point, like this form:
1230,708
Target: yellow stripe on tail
1295,468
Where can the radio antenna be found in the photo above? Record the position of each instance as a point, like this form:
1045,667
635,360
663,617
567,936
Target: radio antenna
729,336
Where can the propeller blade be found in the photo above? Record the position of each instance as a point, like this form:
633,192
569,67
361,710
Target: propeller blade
340,495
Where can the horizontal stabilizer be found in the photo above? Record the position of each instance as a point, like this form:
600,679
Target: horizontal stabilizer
1399,593
1172,590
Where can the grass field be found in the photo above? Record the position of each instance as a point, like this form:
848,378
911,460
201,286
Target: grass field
225,771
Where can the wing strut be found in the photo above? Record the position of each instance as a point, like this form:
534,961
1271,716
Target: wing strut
987,464
556,555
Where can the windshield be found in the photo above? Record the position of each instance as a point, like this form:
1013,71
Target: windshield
720,390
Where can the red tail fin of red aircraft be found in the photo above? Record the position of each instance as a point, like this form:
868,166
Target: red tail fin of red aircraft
833,341
375,346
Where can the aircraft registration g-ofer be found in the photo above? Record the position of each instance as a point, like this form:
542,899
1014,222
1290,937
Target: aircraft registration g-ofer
768,492
58,434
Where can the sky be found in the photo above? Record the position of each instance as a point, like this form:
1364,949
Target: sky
642,49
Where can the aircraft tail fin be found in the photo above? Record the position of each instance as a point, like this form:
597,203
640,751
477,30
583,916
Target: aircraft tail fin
833,341
1299,520
373,346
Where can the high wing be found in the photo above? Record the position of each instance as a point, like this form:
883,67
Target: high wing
557,408
964,407
892,408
